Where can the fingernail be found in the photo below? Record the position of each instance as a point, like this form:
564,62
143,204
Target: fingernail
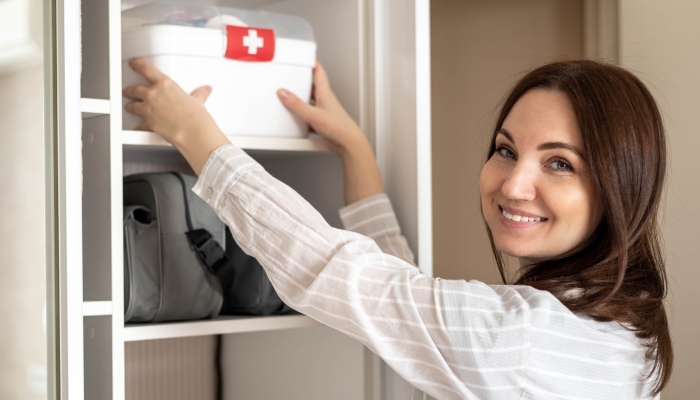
283,93
209,89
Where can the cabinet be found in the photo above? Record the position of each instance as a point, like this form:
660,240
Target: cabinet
377,55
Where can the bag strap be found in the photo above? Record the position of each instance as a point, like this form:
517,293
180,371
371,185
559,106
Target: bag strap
208,250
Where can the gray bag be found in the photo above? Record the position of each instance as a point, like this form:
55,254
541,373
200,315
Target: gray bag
172,242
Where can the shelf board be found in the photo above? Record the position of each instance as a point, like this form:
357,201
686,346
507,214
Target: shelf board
97,308
222,325
310,144
94,107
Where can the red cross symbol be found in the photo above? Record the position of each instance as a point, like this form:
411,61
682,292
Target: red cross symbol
253,42
250,44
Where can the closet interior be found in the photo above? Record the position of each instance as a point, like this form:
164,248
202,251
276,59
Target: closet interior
370,52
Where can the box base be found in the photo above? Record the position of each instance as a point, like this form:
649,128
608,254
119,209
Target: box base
244,96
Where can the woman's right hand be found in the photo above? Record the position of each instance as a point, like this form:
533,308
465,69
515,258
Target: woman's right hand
341,134
327,117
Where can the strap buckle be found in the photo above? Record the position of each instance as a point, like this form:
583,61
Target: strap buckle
208,250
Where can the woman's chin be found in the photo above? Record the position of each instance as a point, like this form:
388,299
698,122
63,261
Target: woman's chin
524,253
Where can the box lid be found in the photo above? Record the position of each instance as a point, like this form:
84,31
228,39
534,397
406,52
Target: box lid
243,35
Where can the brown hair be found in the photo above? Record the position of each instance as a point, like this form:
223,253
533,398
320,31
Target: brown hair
619,271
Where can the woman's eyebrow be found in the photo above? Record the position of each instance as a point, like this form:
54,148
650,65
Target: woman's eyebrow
560,145
545,146
506,134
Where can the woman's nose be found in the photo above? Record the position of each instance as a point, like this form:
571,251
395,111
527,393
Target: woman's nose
520,183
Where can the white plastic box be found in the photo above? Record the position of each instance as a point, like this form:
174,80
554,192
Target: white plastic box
246,56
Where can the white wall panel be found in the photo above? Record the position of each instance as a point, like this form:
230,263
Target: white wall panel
22,257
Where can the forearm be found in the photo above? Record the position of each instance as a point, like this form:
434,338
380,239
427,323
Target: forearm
374,217
196,147
362,176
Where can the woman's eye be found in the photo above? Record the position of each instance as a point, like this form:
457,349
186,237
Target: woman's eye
505,152
560,166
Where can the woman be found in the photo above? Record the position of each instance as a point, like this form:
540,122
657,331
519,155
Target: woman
571,188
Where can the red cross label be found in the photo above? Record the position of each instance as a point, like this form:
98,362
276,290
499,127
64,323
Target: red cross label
250,44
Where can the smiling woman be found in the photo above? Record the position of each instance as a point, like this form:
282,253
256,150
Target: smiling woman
581,146
571,188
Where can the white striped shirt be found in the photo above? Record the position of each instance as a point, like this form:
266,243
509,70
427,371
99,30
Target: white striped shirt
451,339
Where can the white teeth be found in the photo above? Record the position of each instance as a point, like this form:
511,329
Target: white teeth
520,218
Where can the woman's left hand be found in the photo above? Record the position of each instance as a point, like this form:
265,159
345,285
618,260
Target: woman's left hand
178,117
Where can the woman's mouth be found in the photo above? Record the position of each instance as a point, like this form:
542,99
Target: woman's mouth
515,219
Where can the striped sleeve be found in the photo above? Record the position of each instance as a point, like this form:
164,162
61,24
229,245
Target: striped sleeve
450,339
374,217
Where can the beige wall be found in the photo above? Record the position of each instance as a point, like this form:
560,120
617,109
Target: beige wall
479,49
22,259
660,41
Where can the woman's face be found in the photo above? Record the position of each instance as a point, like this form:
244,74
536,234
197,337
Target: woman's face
536,192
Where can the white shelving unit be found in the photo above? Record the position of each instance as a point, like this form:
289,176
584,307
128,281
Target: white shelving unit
377,55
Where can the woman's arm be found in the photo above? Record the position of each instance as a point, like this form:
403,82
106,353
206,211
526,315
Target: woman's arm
341,134
374,217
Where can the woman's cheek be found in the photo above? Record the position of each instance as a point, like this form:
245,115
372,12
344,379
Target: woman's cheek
487,186
491,180
574,211
488,180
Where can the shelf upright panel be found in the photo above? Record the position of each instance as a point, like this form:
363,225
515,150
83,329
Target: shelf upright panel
97,202
372,362
116,206
424,171
69,199
402,116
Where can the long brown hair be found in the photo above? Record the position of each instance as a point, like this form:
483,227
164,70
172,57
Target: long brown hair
619,272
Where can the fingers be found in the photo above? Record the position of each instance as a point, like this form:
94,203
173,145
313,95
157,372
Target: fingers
321,78
202,93
295,104
135,107
136,92
143,127
148,70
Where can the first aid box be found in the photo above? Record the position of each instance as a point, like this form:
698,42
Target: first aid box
244,55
